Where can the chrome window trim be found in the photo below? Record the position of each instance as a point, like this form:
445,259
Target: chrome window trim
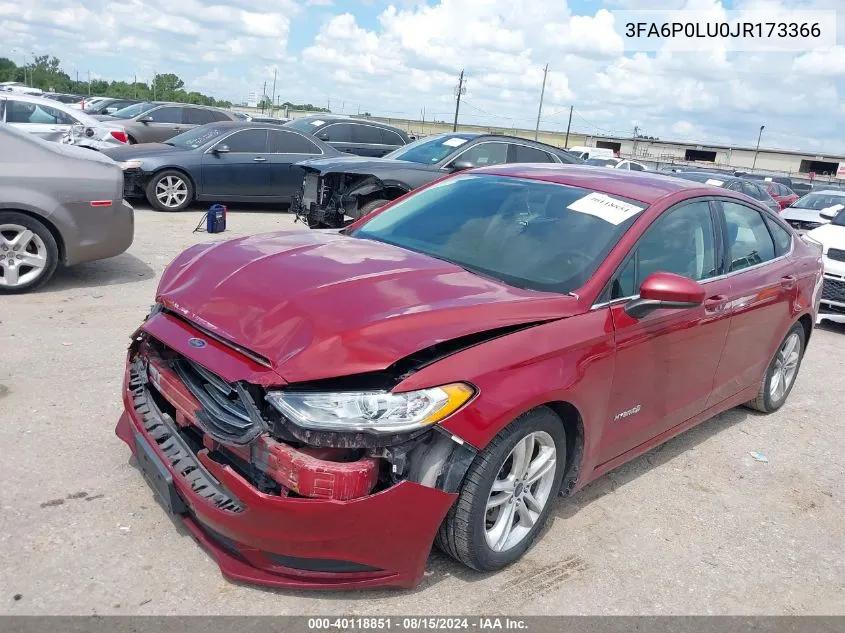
232,133
320,151
455,157
325,127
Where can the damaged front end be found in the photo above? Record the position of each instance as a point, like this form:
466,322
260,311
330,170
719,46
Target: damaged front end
277,503
336,199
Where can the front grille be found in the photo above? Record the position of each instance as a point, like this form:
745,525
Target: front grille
837,254
225,415
833,290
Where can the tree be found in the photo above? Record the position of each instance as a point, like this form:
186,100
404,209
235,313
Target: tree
166,87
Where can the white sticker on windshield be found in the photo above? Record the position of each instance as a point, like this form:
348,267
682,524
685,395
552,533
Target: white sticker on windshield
835,207
315,123
767,179
713,181
454,142
604,207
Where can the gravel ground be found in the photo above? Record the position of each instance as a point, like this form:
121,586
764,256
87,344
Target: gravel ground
696,526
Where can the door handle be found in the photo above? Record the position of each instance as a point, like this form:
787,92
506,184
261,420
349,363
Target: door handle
788,281
259,159
715,303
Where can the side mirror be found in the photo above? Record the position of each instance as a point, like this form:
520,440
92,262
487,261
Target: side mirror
145,119
323,136
665,290
221,149
460,165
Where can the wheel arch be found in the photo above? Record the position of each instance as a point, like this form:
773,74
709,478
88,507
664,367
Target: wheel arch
573,425
181,170
806,321
54,231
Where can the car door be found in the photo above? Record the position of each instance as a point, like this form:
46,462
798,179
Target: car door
666,360
763,285
41,120
286,149
339,136
160,124
237,166
368,140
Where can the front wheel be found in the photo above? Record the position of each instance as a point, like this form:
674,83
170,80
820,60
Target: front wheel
371,206
507,494
781,373
170,191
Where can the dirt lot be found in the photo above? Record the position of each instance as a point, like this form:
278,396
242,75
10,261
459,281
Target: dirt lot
696,526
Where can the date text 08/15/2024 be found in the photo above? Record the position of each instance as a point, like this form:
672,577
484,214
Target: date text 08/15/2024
419,623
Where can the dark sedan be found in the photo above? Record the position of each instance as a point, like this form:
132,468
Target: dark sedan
750,188
362,137
238,161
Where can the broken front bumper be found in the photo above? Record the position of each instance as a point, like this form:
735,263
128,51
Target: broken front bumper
380,539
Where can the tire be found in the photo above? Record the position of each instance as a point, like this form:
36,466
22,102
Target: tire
39,245
181,194
772,393
371,206
464,532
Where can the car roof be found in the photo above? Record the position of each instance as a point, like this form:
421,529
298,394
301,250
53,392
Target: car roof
647,187
828,192
252,124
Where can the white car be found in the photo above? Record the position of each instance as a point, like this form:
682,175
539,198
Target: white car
53,120
616,163
832,238
806,213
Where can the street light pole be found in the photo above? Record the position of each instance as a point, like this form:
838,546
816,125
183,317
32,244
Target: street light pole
756,151
540,108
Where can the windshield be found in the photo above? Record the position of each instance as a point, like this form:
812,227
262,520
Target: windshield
134,110
431,149
711,179
819,201
526,233
196,137
306,125
601,162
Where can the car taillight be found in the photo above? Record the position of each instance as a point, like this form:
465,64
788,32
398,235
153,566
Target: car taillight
119,135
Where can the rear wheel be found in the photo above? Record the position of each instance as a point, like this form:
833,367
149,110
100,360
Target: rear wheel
507,494
170,191
781,373
28,253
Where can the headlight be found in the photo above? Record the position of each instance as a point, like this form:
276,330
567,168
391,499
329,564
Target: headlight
371,411
131,164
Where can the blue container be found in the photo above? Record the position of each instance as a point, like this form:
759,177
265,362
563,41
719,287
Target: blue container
216,218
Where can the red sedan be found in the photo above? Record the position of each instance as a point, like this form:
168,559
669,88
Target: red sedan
783,194
319,407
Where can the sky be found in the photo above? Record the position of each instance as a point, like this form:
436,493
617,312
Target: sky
402,58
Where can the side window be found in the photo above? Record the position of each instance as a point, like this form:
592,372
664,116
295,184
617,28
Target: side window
681,241
525,154
198,116
337,133
749,241
217,115
290,143
734,185
247,142
23,112
366,134
636,167
486,154
166,115
389,137
750,189
624,165
782,237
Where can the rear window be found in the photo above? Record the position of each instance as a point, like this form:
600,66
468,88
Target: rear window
529,234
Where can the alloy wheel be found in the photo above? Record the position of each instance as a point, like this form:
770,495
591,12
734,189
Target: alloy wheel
786,367
520,492
23,256
171,191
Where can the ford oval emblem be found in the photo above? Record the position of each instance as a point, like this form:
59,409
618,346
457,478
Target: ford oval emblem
196,342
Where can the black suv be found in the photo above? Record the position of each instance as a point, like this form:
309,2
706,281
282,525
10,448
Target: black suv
354,136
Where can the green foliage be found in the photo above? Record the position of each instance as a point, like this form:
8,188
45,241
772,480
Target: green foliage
45,72
307,107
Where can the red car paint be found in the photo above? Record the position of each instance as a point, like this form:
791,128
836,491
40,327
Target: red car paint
318,305
775,192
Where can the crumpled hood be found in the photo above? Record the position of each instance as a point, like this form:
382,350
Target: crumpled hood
321,304
361,165
804,215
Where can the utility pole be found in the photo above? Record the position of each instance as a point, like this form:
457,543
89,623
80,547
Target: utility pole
154,84
329,104
756,151
540,109
461,89
273,98
263,96
568,125
77,80
135,85
89,83
636,136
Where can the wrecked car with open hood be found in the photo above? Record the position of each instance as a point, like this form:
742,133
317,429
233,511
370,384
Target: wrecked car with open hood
338,191
319,407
